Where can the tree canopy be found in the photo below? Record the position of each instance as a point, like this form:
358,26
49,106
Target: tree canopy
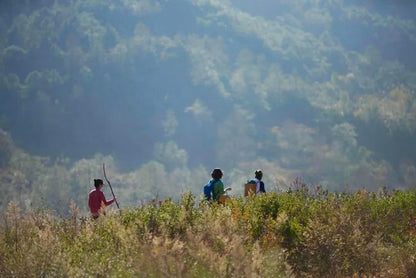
323,90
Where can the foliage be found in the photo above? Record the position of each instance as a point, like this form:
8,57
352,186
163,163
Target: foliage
304,85
324,90
292,234
6,148
34,181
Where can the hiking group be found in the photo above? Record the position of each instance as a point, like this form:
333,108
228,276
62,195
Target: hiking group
213,191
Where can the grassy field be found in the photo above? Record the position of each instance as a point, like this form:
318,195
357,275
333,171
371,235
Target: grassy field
294,234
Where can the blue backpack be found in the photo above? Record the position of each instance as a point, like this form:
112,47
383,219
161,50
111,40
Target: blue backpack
209,190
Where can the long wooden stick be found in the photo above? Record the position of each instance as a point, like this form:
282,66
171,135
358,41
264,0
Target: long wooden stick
111,188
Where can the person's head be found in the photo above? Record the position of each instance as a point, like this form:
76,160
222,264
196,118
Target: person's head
217,173
259,174
98,183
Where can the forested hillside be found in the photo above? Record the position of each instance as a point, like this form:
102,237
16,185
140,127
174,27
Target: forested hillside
163,91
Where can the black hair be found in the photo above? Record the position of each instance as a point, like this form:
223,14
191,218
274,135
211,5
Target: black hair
259,174
216,173
98,182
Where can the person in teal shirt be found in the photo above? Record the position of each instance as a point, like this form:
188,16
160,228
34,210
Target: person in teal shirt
218,192
218,186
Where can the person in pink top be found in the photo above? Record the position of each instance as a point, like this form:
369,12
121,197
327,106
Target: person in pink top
97,201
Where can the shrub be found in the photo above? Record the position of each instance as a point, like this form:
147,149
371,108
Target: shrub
272,235
6,148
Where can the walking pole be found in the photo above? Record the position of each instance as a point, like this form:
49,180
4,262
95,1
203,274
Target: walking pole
111,188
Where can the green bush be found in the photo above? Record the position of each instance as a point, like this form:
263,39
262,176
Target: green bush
292,234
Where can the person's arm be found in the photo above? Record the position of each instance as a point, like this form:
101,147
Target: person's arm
107,203
262,188
104,201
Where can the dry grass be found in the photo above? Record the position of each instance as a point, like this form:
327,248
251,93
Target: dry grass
275,235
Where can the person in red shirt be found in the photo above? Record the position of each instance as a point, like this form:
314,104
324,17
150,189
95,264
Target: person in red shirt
97,201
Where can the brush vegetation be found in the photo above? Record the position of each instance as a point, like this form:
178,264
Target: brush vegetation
323,90
298,233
